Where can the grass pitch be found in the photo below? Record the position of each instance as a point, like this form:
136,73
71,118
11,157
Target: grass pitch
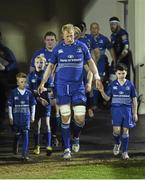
86,165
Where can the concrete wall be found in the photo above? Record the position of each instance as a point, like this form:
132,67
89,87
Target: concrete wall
101,10
23,23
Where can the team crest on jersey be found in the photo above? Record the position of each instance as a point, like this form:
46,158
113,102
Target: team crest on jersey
60,51
70,56
127,88
33,80
22,102
79,50
121,92
115,87
16,97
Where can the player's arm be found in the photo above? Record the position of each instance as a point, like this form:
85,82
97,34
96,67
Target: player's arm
104,95
96,52
33,109
89,78
125,50
94,70
134,108
112,53
10,114
46,75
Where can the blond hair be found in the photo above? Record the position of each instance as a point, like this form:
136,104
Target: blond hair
77,30
67,27
21,75
40,57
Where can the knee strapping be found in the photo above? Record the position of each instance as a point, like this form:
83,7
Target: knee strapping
125,135
79,110
79,124
65,110
116,134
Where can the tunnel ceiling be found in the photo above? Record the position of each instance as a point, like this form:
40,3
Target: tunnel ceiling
32,11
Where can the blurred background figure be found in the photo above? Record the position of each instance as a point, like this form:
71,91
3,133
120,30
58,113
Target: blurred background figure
49,43
8,71
120,41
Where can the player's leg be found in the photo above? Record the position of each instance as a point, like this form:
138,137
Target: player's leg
79,122
48,137
117,123
37,127
79,108
25,141
89,105
117,139
125,141
16,142
55,123
65,112
127,123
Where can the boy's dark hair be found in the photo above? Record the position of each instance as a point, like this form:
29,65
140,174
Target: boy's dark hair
81,25
50,33
114,19
21,75
121,67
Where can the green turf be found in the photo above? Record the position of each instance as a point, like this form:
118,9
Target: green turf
77,170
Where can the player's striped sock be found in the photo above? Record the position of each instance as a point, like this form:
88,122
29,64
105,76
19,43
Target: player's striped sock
125,140
65,129
77,129
37,139
48,137
117,138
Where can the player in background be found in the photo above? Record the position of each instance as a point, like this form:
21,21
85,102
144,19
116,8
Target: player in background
104,44
43,107
50,41
89,41
123,109
21,110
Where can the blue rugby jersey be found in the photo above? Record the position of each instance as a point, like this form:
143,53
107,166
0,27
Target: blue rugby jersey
121,94
89,41
35,78
119,40
70,60
42,52
21,107
102,42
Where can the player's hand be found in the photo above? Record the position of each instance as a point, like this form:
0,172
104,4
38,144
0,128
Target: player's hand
32,120
11,122
135,116
41,89
88,87
43,102
99,85
2,67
